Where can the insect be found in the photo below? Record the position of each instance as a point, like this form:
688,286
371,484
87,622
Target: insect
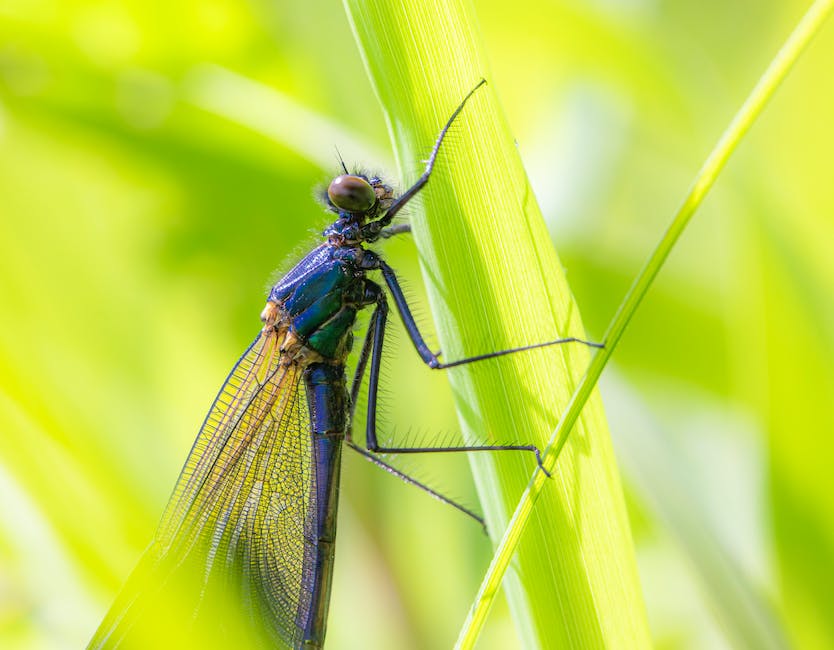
251,524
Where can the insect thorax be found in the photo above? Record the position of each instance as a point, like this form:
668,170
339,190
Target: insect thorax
318,299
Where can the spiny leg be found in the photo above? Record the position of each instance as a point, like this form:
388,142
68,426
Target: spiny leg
412,191
372,289
359,373
377,330
376,460
430,358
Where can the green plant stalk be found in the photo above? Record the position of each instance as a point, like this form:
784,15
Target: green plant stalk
494,282
772,78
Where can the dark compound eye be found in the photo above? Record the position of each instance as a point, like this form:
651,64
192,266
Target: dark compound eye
351,193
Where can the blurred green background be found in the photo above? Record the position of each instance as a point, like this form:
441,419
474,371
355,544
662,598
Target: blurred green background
157,165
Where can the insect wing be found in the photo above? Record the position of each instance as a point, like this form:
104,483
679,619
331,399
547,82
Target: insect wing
232,561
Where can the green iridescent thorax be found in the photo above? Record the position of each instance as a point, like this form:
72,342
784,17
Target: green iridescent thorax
321,296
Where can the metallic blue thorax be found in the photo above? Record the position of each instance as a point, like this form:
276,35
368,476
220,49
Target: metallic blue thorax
321,296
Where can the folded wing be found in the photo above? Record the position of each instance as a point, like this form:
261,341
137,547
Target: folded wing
231,562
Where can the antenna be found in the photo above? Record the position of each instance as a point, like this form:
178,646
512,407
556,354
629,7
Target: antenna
342,162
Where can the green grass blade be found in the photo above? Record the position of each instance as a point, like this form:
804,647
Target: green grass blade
741,123
495,281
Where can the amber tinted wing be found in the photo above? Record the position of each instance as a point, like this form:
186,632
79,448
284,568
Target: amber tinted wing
232,557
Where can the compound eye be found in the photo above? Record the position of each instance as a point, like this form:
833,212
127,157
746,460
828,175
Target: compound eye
351,193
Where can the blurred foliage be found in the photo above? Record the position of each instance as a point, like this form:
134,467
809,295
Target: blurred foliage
143,211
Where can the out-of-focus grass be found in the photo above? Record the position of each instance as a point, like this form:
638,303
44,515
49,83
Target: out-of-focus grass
138,230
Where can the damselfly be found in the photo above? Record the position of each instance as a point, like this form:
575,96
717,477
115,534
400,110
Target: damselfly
249,531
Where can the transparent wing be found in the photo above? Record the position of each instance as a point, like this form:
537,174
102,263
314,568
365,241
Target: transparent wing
238,532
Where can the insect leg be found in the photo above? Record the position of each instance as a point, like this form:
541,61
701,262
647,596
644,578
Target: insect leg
412,191
361,365
359,373
378,323
430,358
392,231
376,460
